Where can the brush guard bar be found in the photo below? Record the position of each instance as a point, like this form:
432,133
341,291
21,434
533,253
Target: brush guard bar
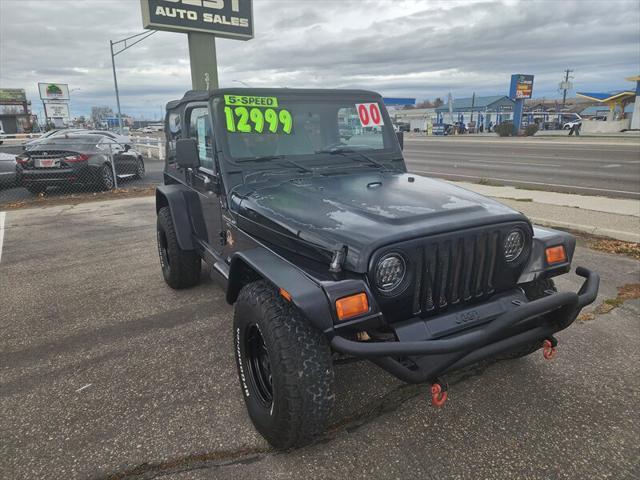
539,319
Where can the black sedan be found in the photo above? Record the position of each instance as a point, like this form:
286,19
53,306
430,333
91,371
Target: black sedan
77,160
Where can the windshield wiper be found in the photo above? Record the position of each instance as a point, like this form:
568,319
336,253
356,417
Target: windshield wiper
346,151
280,161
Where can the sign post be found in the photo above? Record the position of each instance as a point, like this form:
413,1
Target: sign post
202,56
521,89
203,21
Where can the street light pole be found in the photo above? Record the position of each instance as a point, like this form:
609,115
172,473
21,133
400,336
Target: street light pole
115,82
144,35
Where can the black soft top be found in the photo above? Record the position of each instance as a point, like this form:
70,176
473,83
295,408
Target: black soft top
204,95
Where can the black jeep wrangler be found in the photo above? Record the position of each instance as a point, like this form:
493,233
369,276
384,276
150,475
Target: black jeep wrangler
300,204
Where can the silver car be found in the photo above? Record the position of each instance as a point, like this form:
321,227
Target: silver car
7,170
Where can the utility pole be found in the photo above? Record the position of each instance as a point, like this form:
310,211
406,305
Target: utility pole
123,45
565,85
473,103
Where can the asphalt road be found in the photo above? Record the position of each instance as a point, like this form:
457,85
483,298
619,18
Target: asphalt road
588,166
105,372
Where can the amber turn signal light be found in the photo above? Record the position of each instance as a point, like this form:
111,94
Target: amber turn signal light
352,306
286,295
556,254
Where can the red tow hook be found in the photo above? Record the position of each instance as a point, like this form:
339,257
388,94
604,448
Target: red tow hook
549,349
438,394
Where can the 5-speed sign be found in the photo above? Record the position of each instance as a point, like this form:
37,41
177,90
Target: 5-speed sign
369,114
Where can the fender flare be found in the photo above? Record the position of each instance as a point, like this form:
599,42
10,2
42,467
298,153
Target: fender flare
307,295
173,196
544,238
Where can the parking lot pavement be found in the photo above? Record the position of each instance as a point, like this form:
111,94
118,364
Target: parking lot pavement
107,373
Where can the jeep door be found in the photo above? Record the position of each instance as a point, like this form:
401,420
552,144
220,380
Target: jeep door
203,179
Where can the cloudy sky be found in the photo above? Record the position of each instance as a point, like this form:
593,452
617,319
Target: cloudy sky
422,49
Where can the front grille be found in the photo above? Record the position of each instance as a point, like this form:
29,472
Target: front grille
455,270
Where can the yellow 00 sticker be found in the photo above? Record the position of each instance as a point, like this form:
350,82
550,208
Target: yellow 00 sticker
248,101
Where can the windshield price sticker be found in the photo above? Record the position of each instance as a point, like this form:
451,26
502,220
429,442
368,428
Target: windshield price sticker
247,101
369,114
257,120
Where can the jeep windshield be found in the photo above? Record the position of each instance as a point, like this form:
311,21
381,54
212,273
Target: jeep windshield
309,130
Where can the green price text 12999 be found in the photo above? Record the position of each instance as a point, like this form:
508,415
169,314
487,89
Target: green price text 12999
257,120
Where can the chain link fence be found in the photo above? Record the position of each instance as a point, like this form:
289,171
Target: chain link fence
48,170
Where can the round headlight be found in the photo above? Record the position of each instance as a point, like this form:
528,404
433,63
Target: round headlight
513,245
390,272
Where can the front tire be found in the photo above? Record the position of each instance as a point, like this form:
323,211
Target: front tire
140,171
106,181
284,367
180,268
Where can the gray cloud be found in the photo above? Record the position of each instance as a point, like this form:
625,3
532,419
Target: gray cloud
410,48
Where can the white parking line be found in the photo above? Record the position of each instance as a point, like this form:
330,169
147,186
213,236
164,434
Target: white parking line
3,215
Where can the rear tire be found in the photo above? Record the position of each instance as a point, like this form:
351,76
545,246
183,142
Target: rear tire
533,291
284,367
37,189
180,268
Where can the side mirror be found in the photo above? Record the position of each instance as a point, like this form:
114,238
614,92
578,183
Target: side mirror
127,147
187,153
400,136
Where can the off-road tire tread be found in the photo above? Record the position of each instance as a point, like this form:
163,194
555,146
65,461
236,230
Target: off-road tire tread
302,361
185,265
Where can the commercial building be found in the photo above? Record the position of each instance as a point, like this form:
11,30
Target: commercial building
481,111
15,111
418,119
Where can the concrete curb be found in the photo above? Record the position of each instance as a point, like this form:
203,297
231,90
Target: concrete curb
618,219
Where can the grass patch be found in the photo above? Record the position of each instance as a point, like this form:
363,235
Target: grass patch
490,183
80,197
630,249
626,292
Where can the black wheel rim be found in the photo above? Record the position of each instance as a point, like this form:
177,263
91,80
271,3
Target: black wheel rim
140,168
107,177
259,364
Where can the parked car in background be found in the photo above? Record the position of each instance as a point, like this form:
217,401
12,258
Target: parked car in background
572,123
123,139
51,133
7,170
77,159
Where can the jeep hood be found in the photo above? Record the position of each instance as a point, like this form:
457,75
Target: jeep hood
361,211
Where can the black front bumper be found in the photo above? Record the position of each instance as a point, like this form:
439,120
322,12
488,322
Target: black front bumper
523,324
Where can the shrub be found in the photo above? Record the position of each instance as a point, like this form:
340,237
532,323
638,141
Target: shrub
530,130
505,129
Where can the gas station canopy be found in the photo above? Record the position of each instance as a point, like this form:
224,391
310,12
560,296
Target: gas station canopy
607,97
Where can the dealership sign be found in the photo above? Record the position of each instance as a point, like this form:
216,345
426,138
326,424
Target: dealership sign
12,96
53,109
222,18
53,91
521,86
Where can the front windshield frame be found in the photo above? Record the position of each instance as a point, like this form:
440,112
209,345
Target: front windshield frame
389,151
